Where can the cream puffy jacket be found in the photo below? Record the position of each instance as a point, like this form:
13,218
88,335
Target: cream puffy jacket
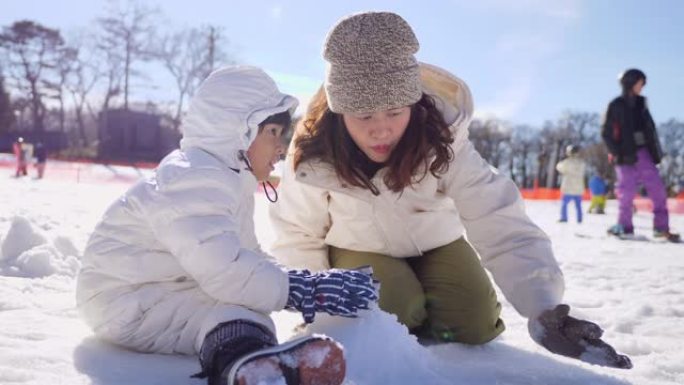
471,199
572,171
174,251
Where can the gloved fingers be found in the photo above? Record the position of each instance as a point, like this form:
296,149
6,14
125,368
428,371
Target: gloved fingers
576,329
561,311
600,353
363,284
558,343
354,315
366,269
308,315
341,310
555,318
360,275
369,294
359,279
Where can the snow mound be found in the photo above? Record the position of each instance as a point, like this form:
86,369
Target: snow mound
378,334
27,252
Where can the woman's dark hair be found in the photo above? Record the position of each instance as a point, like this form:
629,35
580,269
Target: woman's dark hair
282,118
424,147
629,78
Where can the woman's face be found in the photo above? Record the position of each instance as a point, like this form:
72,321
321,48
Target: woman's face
265,150
638,86
377,133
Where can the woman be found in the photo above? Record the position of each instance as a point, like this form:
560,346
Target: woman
381,173
630,134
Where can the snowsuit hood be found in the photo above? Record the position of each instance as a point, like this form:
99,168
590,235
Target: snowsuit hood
224,115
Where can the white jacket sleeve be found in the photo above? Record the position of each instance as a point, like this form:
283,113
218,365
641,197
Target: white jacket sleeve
561,167
301,221
512,248
196,221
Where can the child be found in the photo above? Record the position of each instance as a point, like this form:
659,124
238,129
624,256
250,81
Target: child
381,173
572,186
597,187
174,265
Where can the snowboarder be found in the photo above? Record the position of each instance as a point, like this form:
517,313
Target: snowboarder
629,132
598,189
381,173
174,265
572,187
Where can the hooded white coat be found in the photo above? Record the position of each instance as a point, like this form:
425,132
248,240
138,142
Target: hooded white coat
177,253
572,170
316,209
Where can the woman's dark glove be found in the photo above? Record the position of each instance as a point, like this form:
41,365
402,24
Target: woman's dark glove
568,336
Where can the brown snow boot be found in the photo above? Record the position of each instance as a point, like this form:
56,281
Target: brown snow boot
313,360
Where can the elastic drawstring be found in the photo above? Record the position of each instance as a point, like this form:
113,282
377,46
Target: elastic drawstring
244,158
268,196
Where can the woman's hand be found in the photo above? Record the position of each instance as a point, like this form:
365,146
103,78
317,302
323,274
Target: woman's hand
568,336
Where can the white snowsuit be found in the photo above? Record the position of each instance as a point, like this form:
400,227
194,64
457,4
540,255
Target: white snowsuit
316,209
177,253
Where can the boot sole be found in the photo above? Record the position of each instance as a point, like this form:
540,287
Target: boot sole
299,362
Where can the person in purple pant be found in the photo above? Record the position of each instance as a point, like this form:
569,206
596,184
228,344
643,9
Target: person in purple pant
629,132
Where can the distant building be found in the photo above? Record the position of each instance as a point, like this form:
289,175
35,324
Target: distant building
135,135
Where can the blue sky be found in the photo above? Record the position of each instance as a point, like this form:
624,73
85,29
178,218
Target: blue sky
525,61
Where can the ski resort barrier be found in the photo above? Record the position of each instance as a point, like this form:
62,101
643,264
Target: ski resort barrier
674,205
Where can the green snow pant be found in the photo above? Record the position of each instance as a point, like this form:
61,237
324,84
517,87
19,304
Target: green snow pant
444,294
598,202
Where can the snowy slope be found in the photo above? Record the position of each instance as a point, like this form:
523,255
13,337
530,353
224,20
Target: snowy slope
635,290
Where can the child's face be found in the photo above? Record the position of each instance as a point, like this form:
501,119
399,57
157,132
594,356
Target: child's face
377,133
266,150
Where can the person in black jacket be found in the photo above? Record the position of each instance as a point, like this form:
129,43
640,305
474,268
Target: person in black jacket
630,134
40,152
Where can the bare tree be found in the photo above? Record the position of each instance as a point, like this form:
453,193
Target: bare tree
186,55
84,76
672,139
490,138
64,64
31,50
6,111
126,34
580,127
596,155
216,53
524,143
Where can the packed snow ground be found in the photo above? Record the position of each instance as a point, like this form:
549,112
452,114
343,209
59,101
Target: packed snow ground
634,290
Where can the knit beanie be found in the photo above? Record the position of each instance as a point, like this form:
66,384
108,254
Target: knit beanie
371,64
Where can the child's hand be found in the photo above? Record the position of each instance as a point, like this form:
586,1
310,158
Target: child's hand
336,292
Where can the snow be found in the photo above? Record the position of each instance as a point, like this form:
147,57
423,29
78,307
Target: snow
634,290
